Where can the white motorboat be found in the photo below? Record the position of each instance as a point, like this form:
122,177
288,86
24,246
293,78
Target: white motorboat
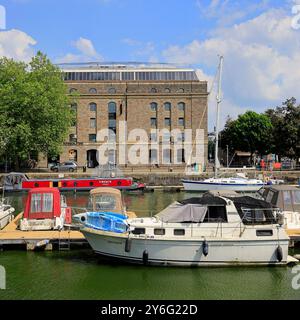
6,214
206,231
233,184
216,183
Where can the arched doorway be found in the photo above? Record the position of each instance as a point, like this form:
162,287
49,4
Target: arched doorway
92,159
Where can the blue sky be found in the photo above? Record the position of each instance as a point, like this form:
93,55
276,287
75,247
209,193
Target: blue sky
257,38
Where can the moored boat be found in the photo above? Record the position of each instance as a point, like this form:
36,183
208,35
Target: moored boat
6,214
211,230
287,198
45,209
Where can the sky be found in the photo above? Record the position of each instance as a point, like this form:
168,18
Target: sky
260,41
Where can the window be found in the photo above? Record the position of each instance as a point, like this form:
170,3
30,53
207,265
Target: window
167,106
93,107
138,231
296,194
153,137
74,107
286,197
112,107
41,202
166,156
72,90
167,90
215,214
112,91
92,137
93,91
153,156
181,90
159,232
179,232
93,123
153,106
153,90
180,137
167,122
73,138
153,122
166,137
180,156
264,233
181,106
181,122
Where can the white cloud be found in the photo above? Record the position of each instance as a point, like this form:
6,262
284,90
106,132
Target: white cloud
142,50
86,52
262,59
17,45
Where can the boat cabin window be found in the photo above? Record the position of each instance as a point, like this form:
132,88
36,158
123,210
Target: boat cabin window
296,195
138,231
179,232
264,233
159,232
41,202
270,196
287,199
256,215
215,214
104,202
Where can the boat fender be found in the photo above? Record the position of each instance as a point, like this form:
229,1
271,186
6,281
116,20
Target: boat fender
128,245
145,257
205,248
279,253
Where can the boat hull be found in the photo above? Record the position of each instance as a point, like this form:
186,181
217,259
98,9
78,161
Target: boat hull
5,217
190,185
188,252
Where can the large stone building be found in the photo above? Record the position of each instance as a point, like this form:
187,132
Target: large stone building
146,97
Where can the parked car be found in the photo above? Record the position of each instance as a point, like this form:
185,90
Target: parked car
70,166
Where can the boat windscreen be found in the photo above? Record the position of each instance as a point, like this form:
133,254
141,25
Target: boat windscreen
254,211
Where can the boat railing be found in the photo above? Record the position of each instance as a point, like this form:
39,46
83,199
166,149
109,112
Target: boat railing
252,216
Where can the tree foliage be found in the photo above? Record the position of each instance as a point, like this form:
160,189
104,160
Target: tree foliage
251,132
286,129
34,109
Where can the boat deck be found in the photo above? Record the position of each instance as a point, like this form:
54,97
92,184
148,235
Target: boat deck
10,235
294,237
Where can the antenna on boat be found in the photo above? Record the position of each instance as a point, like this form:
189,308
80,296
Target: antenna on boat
219,100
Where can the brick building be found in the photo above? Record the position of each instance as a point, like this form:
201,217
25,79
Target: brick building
145,96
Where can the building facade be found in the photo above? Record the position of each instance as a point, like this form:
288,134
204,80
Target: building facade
124,98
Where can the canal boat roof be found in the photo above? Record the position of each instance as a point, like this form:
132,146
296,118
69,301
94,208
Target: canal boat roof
285,197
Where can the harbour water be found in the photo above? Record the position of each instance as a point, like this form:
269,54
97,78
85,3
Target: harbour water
82,275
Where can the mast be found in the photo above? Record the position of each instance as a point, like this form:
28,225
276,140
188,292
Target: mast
219,100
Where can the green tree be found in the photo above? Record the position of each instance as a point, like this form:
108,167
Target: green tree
251,132
35,113
286,129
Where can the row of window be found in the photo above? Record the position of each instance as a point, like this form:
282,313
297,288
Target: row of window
132,76
153,136
167,122
114,91
112,107
167,106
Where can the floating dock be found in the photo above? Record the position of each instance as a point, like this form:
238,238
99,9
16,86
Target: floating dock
10,236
